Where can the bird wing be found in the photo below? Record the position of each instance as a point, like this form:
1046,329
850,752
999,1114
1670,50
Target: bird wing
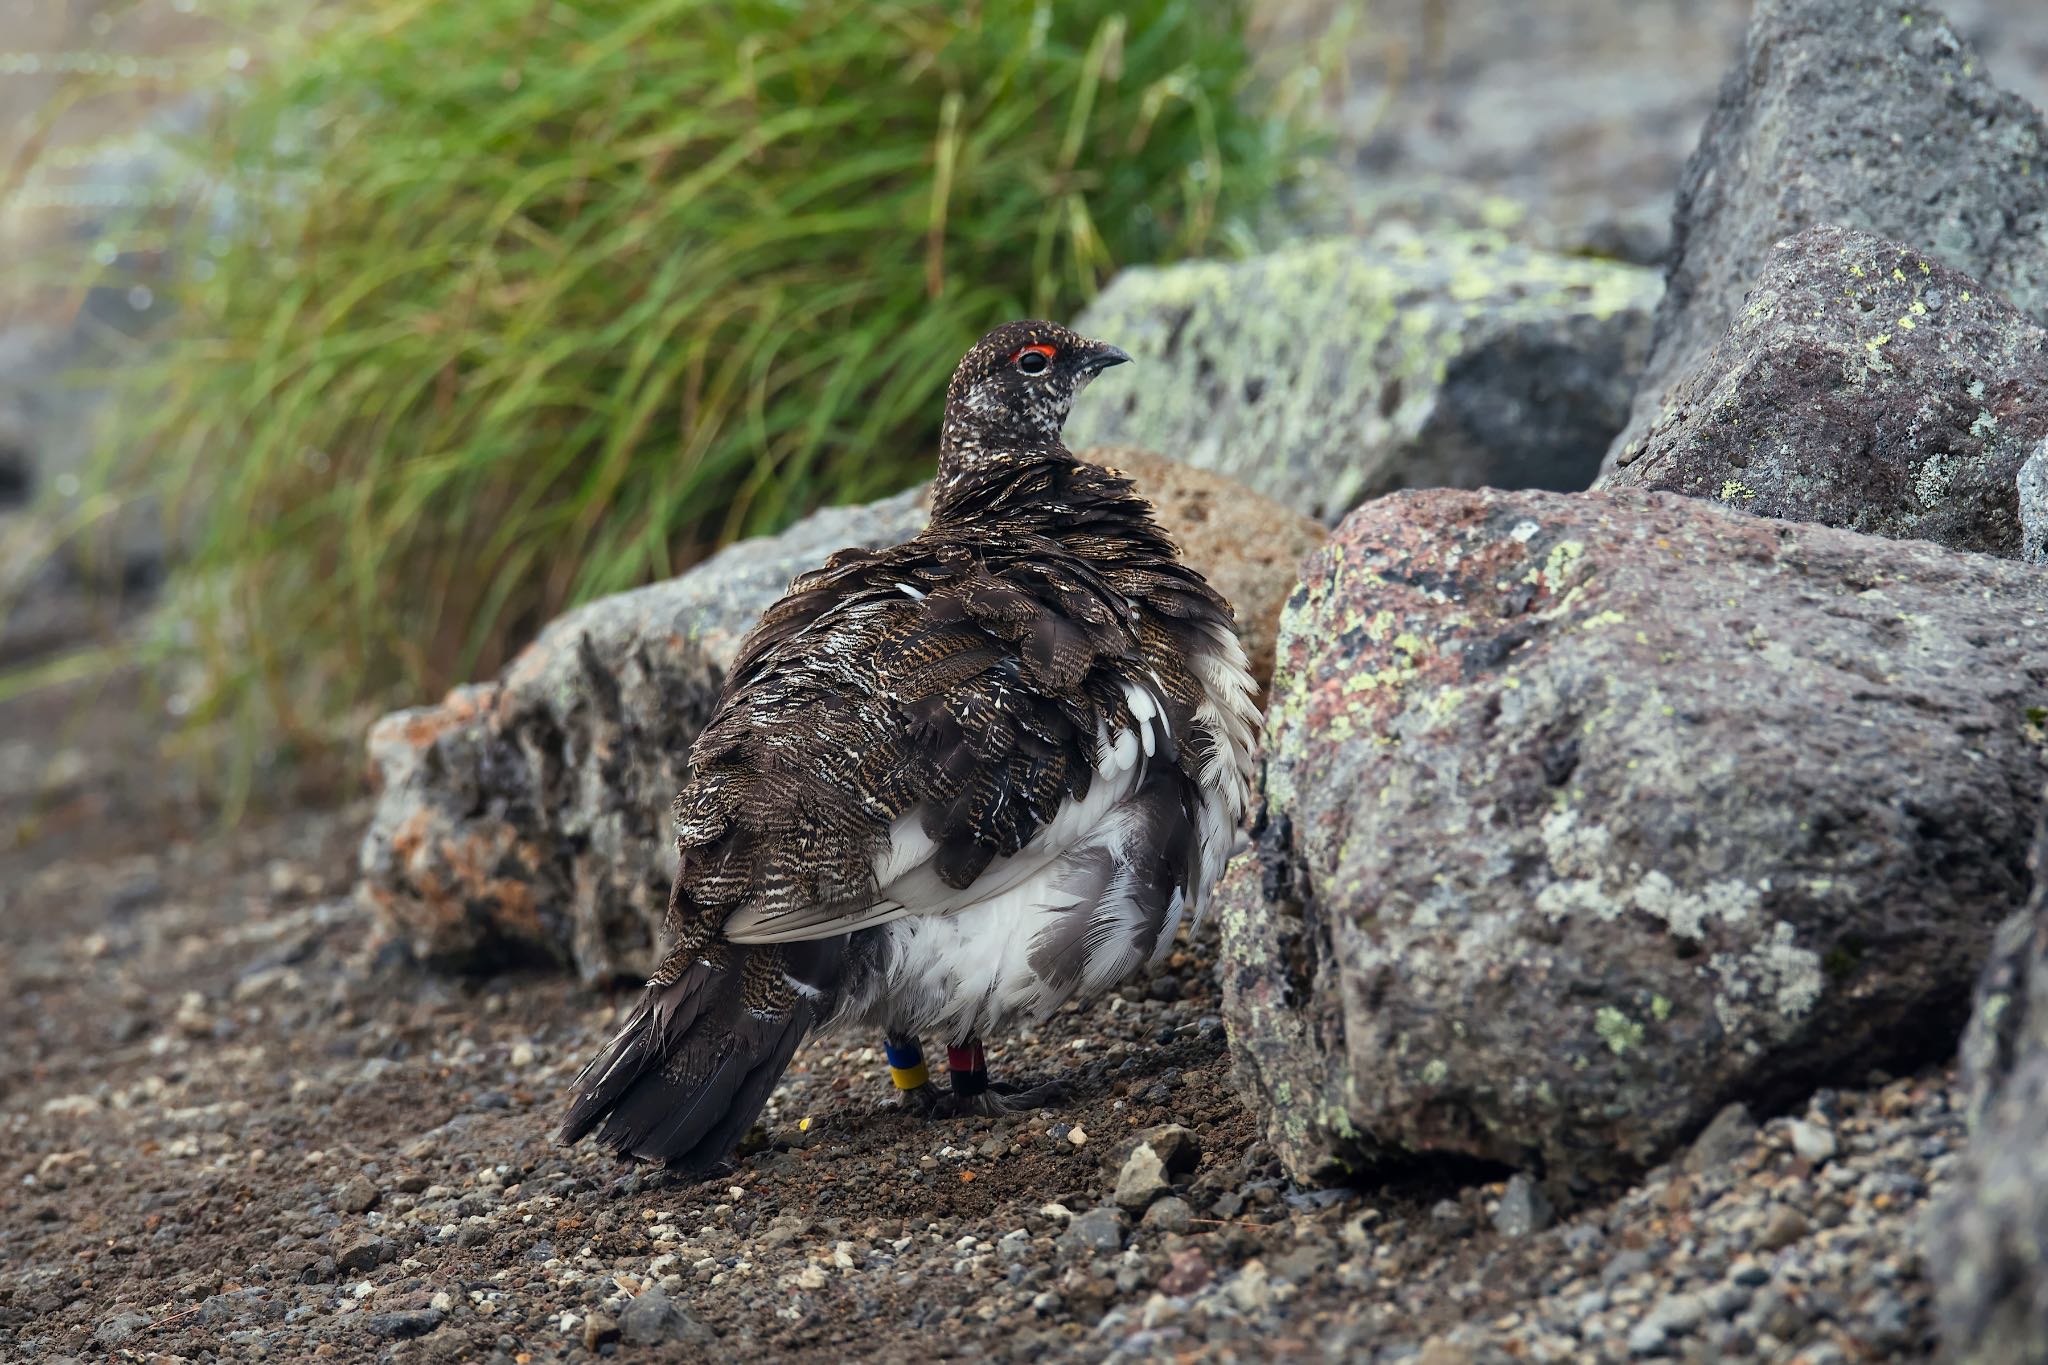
913,733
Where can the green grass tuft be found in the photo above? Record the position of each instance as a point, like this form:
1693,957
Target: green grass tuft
524,303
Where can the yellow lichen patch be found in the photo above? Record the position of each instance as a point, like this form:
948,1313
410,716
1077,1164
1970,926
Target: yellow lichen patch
1438,708
1557,565
1617,1030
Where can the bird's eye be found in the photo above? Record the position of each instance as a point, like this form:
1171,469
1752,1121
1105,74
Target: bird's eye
1034,359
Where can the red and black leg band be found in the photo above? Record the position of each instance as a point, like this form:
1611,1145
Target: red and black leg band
969,1069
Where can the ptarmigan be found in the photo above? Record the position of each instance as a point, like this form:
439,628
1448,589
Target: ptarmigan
948,786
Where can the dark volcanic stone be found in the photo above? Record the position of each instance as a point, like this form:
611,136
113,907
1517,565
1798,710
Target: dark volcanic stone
412,1322
1584,815
364,1253
1097,1230
1839,111
1863,386
653,1317
119,1328
1724,1139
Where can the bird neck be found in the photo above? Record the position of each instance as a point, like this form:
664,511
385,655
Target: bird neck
1044,490
968,438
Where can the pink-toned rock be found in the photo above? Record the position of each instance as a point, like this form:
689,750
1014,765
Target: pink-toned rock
1583,816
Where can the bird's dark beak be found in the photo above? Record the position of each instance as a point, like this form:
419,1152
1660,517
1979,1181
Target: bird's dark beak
1101,355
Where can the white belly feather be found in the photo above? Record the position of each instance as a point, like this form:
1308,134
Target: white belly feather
960,962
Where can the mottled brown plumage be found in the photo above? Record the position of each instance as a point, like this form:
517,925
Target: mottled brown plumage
948,784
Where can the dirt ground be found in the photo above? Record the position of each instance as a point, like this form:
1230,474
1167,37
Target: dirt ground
234,1125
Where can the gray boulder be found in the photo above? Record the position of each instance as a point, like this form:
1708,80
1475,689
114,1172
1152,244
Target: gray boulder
2033,500
1585,816
1863,386
1839,111
1988,1235
1327,373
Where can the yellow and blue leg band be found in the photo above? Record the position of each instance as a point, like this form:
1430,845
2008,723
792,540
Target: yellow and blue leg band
906,1063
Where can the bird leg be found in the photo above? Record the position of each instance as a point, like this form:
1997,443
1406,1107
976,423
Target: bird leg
912,1077
972,1093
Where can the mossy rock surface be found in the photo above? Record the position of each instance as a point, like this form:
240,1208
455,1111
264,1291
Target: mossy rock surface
1585,816
1330,372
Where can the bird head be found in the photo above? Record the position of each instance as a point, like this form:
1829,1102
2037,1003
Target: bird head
1013,390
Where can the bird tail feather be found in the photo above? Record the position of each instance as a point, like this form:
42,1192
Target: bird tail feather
690,1071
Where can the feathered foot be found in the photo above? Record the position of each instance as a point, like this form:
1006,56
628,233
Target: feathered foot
915,1092
972,1093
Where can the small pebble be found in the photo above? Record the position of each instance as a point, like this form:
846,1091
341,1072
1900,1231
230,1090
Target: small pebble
1722,1140
599,1328
355,1195
1784,1226
1523,1208
1142,1179
362,1254
1096,1230
1812,1142
1170,1214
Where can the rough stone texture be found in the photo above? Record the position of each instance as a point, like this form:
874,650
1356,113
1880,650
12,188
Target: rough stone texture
1142,1180
1722,1140
1327,373
1523,1211
653,1317
1583,817
1990,1236
1862,386
1841,111
2033,497
526,819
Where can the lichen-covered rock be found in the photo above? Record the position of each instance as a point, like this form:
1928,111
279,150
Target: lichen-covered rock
1840,111
1990,1235
2033,499
1585,816
1863,386
526,820
1326,373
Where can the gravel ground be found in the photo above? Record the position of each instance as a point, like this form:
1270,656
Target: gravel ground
235,1127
